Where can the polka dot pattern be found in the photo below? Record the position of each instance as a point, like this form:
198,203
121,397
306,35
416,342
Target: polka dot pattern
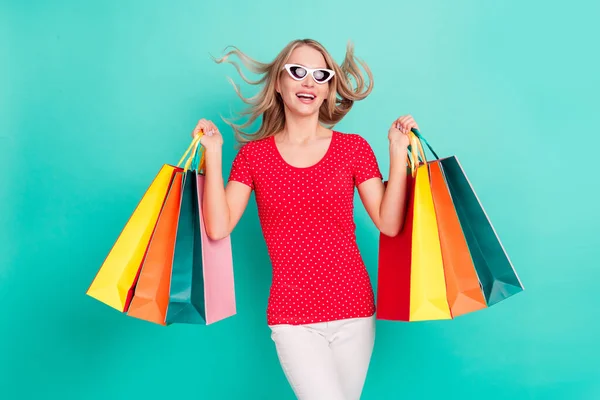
306,216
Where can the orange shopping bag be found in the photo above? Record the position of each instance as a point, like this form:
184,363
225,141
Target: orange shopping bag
151,296
462,284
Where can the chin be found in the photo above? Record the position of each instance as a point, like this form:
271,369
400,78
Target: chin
305,113
304,110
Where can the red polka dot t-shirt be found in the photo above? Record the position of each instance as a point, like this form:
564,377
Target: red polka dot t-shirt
306,215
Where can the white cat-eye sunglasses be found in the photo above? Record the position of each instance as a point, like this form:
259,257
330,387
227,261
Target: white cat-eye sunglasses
299,72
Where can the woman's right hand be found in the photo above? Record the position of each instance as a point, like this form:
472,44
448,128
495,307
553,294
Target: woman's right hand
212,139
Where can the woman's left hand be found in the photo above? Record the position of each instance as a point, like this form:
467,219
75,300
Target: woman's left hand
400,129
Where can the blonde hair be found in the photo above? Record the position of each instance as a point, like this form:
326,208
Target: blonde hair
268,104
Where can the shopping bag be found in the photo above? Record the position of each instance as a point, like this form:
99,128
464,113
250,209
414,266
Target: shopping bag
151,297
419,237
428,299
394,265
495,270
462,284
202,287
217,265
115,281
186,300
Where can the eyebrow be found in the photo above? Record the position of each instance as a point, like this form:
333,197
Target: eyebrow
304,65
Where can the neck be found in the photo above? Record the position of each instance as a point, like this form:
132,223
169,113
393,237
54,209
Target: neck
299,129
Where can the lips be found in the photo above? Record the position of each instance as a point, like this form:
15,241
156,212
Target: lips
306,97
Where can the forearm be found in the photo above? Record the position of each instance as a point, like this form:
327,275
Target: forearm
215,208
392,209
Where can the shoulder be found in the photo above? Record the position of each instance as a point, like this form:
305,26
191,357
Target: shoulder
255,147
352,141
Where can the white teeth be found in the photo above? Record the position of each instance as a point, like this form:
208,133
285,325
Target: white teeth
306,95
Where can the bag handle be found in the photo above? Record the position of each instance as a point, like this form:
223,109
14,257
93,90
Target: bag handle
422,139
190,147
198,160
192,161
416,154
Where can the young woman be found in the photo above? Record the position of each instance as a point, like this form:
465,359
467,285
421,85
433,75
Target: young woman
321,304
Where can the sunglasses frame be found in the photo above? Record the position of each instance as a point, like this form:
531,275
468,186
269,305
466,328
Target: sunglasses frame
310,71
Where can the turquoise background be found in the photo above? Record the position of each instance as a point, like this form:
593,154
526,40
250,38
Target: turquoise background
95,96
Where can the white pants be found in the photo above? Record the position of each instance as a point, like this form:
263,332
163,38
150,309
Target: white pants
327,360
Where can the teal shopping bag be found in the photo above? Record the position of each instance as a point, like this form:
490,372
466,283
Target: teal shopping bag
495,271
186,293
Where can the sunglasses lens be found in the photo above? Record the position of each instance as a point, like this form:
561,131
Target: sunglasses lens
321,75
298,72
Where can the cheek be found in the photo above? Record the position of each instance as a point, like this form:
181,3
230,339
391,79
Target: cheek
288,83
287,89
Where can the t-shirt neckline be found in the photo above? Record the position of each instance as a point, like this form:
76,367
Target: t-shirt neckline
325,156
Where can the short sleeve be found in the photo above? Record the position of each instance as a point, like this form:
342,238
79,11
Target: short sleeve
365,162
240,169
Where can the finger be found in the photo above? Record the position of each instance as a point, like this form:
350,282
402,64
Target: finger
407,121
402,126
196,130
213,130
200,123
204,126
410,124
199,126
402,122
205,123
416,126
207,129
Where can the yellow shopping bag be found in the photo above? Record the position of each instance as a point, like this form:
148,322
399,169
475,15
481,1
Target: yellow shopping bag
428,300
114,283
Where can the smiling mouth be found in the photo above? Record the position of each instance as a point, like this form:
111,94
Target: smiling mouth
305,96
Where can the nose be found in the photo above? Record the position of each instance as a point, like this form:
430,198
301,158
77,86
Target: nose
308,82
